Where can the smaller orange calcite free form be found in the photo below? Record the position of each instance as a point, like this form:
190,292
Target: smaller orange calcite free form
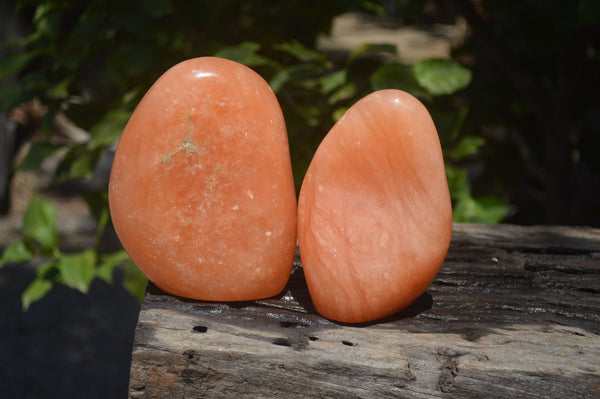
201,190
374,212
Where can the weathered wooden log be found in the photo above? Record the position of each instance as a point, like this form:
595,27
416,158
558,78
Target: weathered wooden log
514,312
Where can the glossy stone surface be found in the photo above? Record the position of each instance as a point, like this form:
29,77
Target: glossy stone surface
374,212
201,190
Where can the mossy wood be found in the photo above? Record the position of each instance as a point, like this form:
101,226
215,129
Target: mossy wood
514,312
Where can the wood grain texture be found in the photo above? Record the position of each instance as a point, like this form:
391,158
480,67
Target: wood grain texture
514,312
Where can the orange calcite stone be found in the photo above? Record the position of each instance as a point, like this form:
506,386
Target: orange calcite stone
201,190
374,212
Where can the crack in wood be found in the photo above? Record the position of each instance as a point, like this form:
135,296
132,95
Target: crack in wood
449,368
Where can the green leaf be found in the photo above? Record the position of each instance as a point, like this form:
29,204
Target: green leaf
109,262
77,270
301,52
292,74
48,20
59,90
39,223
440,76
245,53
79,162
494,209
396,76
467,209
345,92
131,96
374,7
16,252
135,281
483,210
48,270
14,63
109,129
467,145
104,271
35,291
41,11
338,113
333,80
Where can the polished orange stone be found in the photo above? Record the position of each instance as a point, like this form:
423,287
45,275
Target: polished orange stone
201,190
374,212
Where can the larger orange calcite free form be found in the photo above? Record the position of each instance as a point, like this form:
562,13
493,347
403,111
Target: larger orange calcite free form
201,190
374,212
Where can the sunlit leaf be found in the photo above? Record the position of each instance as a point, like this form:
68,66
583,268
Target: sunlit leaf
467,145
484,210
59,90
131,95
108,262
467,209
16,252
338,113
440,76
48,20
48,270
494,209
104,271
374,7
345,92
35,291
77,270
333,80
41,11
39,222
396,76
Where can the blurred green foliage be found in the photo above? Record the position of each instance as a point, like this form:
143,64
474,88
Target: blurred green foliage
94,60
76,270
